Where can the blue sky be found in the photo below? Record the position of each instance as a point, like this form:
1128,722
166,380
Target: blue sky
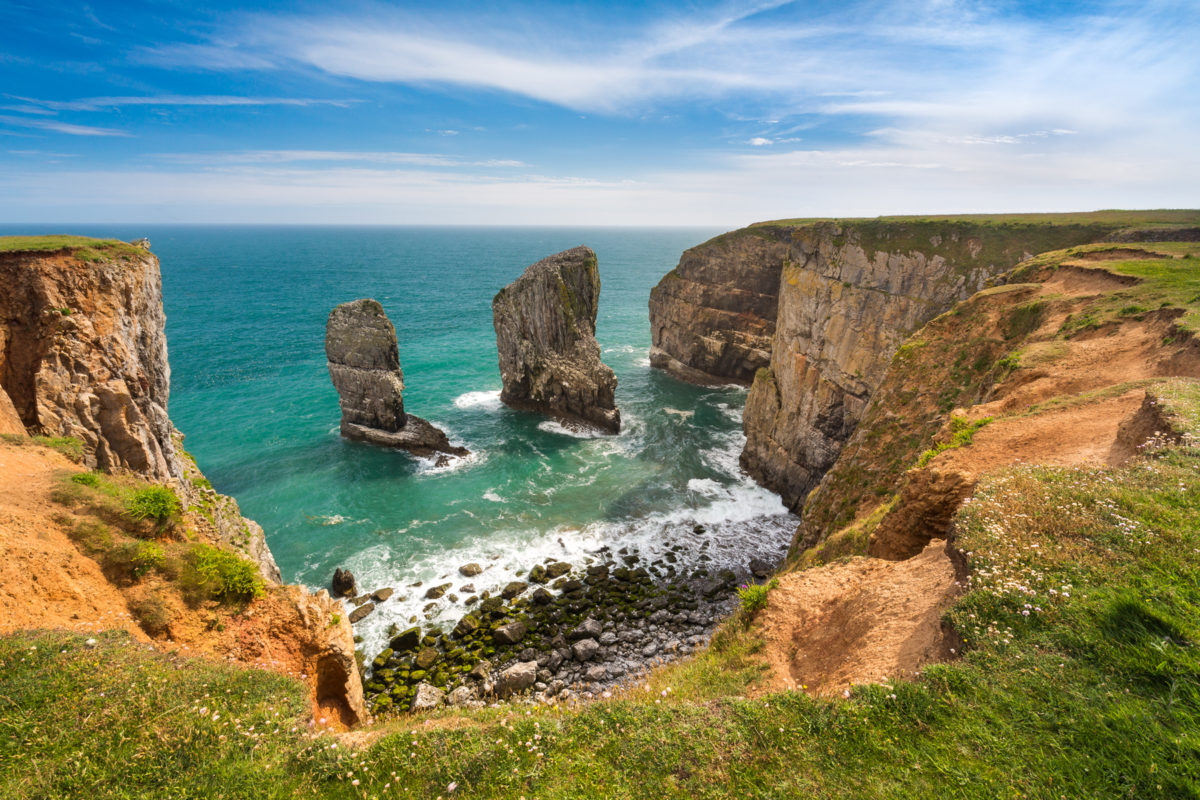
593,113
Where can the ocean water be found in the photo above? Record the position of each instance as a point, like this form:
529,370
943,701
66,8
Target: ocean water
246,309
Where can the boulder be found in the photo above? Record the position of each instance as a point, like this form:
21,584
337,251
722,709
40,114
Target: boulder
379,595
545,325
406,640
364,365
588,629
426,658
470,570
466,626
541,597
360,612
435,592
585,649
516,678
557,569
427,697
760,568
480,671
343,584
596,673
512,633
462,696
513,589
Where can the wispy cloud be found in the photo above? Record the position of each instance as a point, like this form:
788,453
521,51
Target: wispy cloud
102,103
60,127
332,156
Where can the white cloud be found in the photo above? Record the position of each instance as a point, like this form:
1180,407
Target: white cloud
101,103
759,141
332,156
60,127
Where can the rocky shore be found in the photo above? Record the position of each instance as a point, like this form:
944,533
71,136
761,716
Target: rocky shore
561,632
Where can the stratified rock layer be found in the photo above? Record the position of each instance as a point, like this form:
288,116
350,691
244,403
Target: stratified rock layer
83,354
849,294
713,316
546,339
364,364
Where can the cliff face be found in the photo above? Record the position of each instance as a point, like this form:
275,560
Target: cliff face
713,316
849,293
546,340
1059,366
83,354
812,312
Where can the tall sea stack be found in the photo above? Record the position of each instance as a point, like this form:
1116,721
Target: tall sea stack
364,364
546,339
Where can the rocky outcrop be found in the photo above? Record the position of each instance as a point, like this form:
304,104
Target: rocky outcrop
849,294
713,316
10,420
364,364
546,339
83,353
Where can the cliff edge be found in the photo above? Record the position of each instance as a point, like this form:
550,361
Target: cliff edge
140,541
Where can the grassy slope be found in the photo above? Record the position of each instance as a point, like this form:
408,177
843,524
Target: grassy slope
1095,694
897,426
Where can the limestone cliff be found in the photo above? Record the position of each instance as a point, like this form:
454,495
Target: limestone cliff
546,340
364,364
713,316
1058,366
83,354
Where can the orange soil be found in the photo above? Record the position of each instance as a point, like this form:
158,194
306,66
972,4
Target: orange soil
45,582
871,619
858,621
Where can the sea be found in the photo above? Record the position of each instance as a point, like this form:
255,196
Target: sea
246,308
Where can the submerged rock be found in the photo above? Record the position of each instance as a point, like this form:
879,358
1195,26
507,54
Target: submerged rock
546,340
364,364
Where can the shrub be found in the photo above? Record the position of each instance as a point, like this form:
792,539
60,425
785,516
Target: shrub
132,560
154,503
86,479
754,598
211,573
153,613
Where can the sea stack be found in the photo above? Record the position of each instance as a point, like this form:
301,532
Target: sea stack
546,339
364,364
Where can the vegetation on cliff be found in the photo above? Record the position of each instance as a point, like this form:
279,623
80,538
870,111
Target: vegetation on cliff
1091,694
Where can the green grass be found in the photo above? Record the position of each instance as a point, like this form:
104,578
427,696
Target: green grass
69,446
87,248
1094,693
1172,280
1115,218
962,433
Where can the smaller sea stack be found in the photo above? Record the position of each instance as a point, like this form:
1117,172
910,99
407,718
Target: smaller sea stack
364,364
546,339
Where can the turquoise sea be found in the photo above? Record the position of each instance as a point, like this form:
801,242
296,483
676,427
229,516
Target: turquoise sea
246,309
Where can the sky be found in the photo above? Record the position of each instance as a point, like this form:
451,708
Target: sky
615,113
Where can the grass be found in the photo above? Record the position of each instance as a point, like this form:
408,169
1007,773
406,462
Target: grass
1080,678
84,248
69,446
962,433
1115,218
1170,280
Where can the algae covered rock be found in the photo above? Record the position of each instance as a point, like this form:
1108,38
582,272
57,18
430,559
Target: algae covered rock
546,340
